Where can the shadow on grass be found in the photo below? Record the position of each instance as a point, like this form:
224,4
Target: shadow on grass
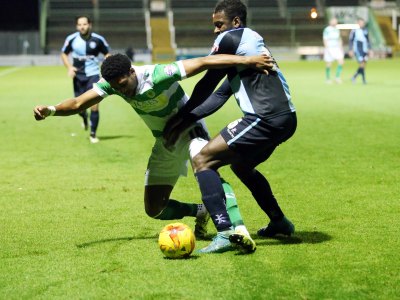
306,237
192,257
114,137
127,238
300,237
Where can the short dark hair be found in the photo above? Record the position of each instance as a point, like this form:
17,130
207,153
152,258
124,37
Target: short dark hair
83,16
232,9
115,66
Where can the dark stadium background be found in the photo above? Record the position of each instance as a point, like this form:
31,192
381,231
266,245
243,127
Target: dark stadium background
19,15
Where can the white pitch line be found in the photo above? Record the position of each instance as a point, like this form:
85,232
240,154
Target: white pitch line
9,71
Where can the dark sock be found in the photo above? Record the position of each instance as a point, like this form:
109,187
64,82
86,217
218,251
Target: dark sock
261,190
94,122
84,116
177,210
362,72
356,73
213,198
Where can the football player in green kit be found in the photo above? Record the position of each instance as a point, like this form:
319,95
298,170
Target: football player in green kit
154,93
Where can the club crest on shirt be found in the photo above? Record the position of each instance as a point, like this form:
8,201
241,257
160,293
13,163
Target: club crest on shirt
92,45
170,70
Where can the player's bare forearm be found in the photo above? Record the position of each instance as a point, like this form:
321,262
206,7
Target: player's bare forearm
65,60
68,107
221,61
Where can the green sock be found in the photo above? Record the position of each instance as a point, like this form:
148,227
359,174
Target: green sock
338,71
231,204
328,73
177,210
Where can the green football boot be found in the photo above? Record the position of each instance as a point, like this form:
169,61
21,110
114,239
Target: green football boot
283,226
242,241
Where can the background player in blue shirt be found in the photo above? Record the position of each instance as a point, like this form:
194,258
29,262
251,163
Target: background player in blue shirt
269,119
85,47
359,47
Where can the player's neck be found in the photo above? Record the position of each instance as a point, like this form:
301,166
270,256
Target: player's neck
86,36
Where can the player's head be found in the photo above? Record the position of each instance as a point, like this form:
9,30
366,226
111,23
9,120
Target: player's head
229,14
83,25
361,22
119,73
333,22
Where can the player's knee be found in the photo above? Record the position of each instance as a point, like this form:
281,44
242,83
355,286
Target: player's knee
199,162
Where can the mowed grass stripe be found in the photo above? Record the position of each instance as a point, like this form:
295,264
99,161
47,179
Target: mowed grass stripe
73,223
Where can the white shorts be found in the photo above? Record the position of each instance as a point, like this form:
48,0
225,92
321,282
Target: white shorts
164,166
333,53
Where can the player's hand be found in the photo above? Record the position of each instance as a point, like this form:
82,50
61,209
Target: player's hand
351,53
72,72
172,130
262,63
40,112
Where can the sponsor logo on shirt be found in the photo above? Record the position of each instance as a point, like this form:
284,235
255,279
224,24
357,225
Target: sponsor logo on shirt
170,70
83,57
150,105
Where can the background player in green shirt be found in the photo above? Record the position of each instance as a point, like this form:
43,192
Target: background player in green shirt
154,93
333,50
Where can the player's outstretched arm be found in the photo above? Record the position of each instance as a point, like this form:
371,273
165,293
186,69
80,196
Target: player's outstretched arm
67,107
194,66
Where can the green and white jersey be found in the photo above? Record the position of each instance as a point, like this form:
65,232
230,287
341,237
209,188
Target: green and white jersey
158,94
331,36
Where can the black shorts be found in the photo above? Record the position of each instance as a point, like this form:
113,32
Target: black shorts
255,139
82,85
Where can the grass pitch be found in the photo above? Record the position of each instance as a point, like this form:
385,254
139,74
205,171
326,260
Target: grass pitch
73,224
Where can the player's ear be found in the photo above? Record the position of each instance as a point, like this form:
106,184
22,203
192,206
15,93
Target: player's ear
236,22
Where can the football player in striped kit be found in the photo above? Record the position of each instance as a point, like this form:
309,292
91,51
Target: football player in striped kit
85,47
154,93
333,50
269,119
360,48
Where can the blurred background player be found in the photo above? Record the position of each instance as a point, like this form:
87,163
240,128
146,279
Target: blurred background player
85,47
360,48
333,50
154,93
